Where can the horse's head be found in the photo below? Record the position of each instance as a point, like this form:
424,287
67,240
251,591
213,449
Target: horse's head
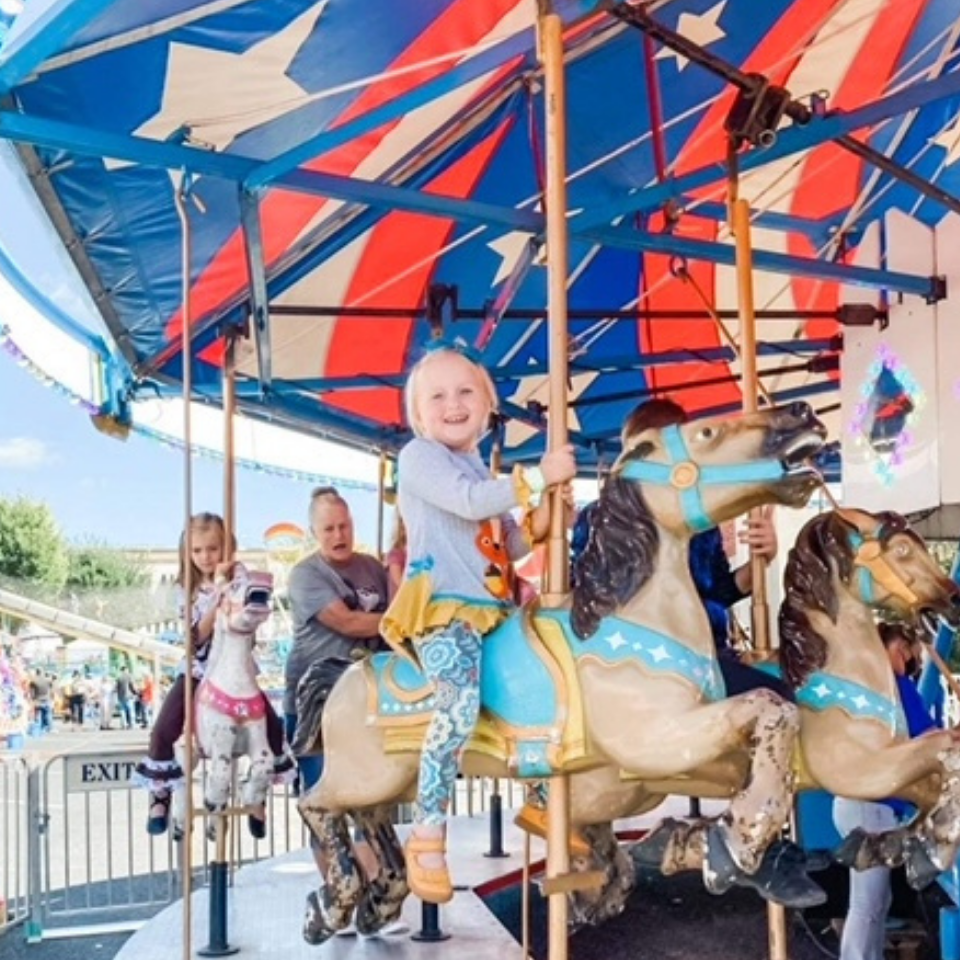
247,600
698,474
678,480
875,560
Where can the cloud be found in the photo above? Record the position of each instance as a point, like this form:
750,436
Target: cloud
24,453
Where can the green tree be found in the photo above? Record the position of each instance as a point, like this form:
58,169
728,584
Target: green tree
95,566
31,546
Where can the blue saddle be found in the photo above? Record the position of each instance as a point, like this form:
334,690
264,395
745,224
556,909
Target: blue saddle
528,683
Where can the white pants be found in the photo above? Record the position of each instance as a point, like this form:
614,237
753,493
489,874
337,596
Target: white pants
864,932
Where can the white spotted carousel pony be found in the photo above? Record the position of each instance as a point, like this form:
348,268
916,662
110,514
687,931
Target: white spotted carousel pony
623,684
853,733
230,711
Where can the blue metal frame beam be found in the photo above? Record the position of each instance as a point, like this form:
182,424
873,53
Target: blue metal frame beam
46,36
56,135
792,140
476,67
629,239
766,219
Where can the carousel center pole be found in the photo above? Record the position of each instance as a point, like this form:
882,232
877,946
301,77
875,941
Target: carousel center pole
759,611
550,40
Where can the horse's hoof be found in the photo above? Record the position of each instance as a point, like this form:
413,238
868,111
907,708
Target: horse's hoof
782,878
920,868
257,827
650,851
379,907
315,931
720,870
849,850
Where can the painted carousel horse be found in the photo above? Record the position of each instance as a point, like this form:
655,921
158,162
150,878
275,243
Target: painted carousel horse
854,737
625,679
230,711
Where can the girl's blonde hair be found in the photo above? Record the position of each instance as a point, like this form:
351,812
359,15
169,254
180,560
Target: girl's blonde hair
199,522
410,393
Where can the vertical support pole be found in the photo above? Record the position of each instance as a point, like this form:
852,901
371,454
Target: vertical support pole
550,37
759,611
36,828
381,492
229,452
219,875
430,931
186,845
496,850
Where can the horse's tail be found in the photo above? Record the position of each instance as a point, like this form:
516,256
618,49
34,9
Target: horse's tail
313,691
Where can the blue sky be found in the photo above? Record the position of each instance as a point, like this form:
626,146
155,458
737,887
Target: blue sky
129,493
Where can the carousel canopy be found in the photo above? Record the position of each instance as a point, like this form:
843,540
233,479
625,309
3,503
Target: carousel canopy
355,179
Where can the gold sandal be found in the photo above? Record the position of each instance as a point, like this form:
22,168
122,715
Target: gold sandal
430,884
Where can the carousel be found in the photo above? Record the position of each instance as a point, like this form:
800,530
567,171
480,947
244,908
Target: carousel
273,208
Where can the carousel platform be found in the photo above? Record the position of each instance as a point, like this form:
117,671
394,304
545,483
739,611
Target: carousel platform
266,902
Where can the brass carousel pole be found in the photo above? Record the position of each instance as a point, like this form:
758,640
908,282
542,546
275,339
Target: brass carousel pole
550,38
383,466
186,844
219,866
759,611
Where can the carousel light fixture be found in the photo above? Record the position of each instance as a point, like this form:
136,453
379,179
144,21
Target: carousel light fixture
890,402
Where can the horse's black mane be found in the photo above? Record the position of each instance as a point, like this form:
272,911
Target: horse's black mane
619,555
824,545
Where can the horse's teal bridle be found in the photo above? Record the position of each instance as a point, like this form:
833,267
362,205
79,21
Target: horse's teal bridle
688,478
873,568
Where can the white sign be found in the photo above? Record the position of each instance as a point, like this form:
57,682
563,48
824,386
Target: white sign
86,772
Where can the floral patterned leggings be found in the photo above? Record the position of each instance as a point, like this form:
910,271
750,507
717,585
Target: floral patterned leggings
451,661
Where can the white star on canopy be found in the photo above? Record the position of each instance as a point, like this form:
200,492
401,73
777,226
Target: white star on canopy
703,29
949,139
219,94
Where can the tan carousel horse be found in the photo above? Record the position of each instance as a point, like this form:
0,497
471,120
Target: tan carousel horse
853,736
623,679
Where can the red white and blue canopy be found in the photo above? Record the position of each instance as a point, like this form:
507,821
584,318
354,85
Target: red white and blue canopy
359,176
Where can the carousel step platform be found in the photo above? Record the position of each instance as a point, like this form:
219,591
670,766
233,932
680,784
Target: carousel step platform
265,906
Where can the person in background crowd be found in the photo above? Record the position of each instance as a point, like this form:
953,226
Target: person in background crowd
41,694
864,930
125,697
396,558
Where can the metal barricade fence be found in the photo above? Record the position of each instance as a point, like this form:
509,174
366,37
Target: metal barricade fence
83,843
14,838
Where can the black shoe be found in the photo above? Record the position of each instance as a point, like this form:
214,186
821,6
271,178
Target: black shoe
159,817
257,827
